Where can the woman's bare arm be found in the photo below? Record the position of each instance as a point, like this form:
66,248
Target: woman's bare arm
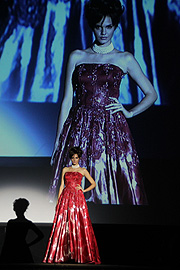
68,93
90,179
67,100
62,182
134,70
142,81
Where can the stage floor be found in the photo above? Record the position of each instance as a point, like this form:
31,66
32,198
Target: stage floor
82,266
120,246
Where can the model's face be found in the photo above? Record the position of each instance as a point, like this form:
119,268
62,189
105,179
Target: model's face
104,31
75,159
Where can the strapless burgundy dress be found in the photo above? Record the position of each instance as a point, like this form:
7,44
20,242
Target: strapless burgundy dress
109,152
72,236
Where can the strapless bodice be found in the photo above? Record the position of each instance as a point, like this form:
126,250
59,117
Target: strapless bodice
72,179
95,83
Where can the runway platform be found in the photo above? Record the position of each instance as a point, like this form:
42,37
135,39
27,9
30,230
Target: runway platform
121,247
82,267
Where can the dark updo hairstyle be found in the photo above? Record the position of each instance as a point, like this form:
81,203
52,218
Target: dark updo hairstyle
96,10
75,150
20,205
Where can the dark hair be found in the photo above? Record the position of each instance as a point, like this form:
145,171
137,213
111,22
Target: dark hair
20,205
75,150
96,10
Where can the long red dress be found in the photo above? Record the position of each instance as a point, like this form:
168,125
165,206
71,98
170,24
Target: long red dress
72,235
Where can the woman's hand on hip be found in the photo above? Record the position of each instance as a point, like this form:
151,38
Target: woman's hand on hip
116,107
79,188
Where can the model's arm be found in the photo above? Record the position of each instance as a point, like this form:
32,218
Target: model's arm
142,81
90,179
68,98
62,182
68,94
150,95
37,232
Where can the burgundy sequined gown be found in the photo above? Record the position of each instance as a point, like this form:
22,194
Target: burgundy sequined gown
109,152
72,235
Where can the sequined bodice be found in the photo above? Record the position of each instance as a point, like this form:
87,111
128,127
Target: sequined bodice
95,83
108,148
72,179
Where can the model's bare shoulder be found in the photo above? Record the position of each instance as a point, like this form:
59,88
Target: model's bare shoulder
76,53
73,55
65,169
124,60
72,61
132,64
77,56
84,171
124,56
128,58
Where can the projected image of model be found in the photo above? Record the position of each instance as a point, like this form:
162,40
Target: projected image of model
97,122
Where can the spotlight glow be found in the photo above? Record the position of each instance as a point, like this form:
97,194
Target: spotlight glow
39,210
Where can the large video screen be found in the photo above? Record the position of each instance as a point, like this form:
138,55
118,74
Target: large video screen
36,38
36,41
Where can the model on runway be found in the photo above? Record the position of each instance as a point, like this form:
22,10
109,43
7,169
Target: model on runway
72,236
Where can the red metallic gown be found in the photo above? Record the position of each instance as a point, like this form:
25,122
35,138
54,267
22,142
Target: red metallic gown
72,236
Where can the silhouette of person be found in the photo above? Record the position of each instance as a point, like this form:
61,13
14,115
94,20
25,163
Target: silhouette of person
15,248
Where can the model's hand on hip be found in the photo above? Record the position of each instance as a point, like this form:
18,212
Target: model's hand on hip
116,107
